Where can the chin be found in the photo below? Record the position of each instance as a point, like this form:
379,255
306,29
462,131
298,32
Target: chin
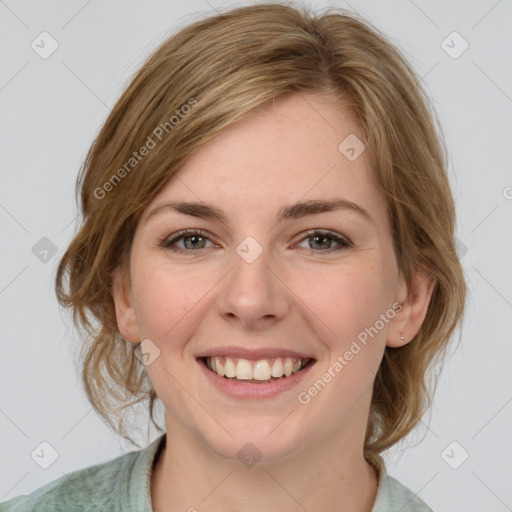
256,442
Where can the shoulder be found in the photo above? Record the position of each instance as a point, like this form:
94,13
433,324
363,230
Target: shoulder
91,488
403,499
392,495
102,487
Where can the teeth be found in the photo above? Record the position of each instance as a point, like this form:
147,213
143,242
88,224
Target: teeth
244,370
262,370
277,368
229,367
288,366
218,367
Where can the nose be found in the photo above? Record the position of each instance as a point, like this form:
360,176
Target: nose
254,295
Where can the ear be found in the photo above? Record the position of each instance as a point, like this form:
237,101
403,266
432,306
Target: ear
415,300
123,302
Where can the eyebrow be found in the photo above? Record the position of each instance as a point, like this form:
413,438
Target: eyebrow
293,211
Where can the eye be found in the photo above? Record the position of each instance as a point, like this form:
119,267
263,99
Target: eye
324,239
196,239
192,239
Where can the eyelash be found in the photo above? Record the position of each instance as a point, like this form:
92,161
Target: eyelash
168,242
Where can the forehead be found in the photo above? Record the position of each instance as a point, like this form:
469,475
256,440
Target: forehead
286,151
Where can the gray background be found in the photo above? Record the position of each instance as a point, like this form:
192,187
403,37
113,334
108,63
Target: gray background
52,107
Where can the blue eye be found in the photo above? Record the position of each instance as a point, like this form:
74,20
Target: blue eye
195,239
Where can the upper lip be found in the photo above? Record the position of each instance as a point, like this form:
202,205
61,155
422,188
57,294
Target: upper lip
252,353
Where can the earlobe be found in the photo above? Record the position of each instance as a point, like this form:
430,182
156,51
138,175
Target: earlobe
409,319
125,312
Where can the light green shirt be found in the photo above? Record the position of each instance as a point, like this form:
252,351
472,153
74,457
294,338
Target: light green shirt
122,485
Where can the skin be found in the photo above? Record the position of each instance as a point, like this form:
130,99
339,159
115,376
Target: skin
297,294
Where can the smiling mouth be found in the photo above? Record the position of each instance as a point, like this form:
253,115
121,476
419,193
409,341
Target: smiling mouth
257,372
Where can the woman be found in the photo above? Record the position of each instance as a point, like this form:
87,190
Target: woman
267,249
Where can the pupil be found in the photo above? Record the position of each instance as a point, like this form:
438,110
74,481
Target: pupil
194,238
316,238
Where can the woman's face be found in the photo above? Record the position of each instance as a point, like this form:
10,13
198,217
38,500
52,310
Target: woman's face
258,279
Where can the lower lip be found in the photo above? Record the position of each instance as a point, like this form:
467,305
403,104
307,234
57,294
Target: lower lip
244,390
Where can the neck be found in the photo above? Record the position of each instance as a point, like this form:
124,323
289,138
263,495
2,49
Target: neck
190,476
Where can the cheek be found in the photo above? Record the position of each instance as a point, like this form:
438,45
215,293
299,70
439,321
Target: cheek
345,305
345,300
168,299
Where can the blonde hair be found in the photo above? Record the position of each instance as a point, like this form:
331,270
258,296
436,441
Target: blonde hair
224,67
